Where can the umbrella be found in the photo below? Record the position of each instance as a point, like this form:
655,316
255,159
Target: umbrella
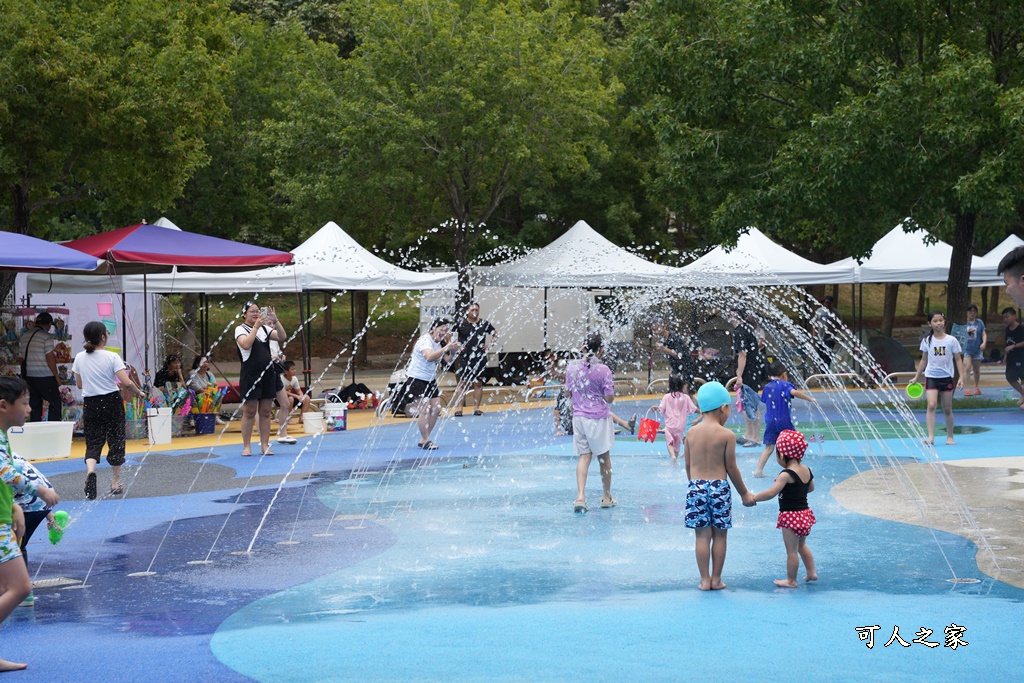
23,253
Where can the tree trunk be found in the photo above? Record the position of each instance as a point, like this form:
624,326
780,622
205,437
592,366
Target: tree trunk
889,308
983,313
922,292
993,304
190,313
835,295
361,310
328,330
957,291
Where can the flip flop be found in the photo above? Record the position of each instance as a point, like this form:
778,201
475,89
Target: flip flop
90,486
428,446
247,453
457,413
478,412
269,451
116,490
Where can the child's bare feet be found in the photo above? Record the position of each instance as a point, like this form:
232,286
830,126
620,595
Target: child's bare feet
704,585
811,577
11,666
717,585
949,441
785,583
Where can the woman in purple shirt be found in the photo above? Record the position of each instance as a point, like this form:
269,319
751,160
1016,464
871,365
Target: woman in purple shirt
590,384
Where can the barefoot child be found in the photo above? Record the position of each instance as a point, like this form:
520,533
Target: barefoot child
15,584
939,351
676,406
710,453
777,396
795,519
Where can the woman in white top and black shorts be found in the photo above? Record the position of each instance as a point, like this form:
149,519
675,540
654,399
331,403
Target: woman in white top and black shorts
97,373
422,371
939,353
258,383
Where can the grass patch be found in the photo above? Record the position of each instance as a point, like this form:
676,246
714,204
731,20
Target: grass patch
973,403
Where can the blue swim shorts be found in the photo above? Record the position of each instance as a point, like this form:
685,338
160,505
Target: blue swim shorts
709,503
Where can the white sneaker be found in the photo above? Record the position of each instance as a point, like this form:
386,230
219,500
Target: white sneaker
287,439
220,420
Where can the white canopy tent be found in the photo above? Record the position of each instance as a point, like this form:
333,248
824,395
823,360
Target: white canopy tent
984,272
330,260
905,257
580,258
757,260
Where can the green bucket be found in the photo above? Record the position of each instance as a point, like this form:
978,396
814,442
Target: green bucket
915,390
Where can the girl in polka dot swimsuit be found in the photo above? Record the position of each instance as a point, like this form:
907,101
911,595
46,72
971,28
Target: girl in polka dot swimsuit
795,518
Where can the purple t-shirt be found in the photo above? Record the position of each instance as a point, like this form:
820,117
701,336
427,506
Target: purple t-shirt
590,381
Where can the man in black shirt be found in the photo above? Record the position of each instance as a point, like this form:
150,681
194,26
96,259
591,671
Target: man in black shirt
673,346
750,375
472,332
1014,351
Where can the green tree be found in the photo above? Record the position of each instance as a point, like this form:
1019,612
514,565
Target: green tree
442,111
105,104
829,122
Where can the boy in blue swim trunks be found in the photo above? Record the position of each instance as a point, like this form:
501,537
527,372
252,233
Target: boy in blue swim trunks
777,396
710,453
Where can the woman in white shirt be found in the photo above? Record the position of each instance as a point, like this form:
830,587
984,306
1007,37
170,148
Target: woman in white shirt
939,352
258,383
97,373
422,372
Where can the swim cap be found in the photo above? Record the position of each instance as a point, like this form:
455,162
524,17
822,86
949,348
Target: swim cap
712,396
791,444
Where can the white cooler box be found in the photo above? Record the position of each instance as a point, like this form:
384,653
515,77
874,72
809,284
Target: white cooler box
42,440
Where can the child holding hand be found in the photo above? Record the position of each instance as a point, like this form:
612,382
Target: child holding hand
795,517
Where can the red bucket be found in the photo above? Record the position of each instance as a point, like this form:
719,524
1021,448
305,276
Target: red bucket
648,430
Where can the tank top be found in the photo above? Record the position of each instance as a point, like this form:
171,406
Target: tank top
793,496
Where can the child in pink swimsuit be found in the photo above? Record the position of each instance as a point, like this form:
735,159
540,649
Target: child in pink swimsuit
676,406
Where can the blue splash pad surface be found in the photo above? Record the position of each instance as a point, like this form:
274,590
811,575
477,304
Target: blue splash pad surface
482,572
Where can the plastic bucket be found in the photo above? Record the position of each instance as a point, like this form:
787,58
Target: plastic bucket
312,422
915,390
114,349
178,425
111,325
38,440
205,423
159,425
335,417
135,429
648,430
105,308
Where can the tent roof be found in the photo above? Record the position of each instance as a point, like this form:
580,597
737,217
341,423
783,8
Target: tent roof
985,270
579,258
902,256
147,248
23,253
758,260
329,260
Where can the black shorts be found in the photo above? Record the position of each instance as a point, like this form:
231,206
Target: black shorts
472,367
939,383
1014,372
421,388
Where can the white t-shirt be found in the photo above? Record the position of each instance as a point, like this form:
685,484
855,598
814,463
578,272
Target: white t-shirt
97,371
292,383
262,334
419,366
940,355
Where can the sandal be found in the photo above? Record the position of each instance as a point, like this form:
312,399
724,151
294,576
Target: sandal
579,505
478,412
428,446
608,503
269,451
458,413
247,453
90,486
116,490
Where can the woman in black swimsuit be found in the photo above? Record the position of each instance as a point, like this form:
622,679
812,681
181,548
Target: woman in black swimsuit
258,383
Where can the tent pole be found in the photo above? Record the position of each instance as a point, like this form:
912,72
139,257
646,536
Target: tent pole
352,304
124,327
145,326
303,317
545,318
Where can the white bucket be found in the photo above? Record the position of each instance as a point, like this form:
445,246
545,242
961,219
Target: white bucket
334,417
312,422
159,425
40,440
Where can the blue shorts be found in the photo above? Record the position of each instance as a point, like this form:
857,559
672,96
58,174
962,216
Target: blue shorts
751,402
773,429
709,503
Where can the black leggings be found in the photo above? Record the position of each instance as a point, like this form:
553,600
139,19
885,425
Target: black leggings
32,520
103,418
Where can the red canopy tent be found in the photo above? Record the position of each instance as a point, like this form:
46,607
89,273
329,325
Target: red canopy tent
146,248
